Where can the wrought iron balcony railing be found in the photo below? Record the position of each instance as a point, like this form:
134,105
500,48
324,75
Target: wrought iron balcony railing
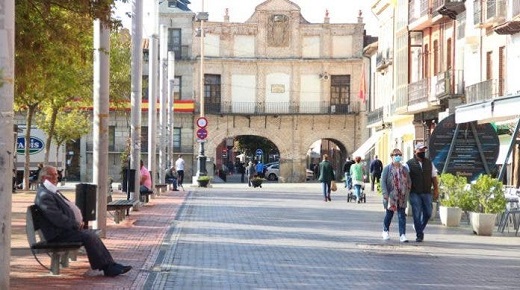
375,116
280,108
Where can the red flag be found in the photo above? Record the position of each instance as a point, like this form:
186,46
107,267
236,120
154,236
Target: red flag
363,86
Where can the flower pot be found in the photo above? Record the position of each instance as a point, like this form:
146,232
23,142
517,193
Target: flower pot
203,183
483,223
450,216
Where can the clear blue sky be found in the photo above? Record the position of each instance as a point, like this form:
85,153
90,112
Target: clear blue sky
340,11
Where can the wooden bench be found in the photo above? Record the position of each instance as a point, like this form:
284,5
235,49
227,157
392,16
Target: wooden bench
120,207
58,252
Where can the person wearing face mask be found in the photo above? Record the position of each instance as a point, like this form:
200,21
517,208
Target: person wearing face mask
395,185
424,177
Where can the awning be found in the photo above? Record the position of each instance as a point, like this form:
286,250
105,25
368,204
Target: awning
500,109
368,145
505,141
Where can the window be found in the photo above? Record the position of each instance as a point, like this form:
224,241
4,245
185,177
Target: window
435,57
177,88
174,41
340,90
172,3
144,87
111,138
489,65
176,139
448,54
212,89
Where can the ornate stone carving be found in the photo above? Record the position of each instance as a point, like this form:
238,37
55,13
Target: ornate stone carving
278,30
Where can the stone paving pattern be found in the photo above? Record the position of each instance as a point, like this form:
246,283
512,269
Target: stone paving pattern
280,236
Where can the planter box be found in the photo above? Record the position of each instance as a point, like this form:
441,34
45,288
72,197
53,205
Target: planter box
483,223
450,216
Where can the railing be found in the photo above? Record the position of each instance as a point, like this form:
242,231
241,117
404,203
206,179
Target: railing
449,83
418,92
280,108
375,116
483,91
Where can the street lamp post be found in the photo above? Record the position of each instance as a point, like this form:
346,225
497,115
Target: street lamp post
201,167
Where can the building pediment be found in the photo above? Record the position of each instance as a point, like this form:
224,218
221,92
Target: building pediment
276,7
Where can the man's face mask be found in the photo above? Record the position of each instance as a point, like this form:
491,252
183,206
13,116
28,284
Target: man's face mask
421,155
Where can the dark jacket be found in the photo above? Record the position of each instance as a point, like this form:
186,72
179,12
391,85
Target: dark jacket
59,217
421,176
326,171
347,165
376,167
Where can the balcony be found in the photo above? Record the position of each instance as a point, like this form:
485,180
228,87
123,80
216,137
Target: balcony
383,60
375,117
449,84
483,91
450,8
421,97
511,26
419,14
281,108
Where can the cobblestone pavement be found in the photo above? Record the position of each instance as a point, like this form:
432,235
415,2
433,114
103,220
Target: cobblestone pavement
284,236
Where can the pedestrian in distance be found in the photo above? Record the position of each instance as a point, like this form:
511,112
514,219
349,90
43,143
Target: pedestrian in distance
376,168
170,178
424,177
250,172
395,185
326,176
260,169
356,173
62,223
179,165
346,171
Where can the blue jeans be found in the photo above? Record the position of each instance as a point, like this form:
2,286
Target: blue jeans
326,188
422,211
401,215
357,191
348,180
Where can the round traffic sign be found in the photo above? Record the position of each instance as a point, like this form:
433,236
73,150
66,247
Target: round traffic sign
202,133
202,122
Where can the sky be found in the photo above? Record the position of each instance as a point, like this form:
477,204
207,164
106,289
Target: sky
340,11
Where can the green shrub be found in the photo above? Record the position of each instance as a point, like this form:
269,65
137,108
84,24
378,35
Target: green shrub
489,195
452,190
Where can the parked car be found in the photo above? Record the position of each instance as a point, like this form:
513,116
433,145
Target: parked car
272,172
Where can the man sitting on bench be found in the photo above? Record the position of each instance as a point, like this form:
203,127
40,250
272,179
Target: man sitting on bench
170,177
63,223
146,180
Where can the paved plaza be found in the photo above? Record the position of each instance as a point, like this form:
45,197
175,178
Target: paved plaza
280,236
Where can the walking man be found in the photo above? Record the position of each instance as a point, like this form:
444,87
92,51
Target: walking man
424,176
346,172
376,168
179,164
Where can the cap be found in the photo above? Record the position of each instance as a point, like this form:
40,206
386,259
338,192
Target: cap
420,146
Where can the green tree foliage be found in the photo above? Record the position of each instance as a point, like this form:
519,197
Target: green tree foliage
452,189
489,195
53,55
249,144
120,80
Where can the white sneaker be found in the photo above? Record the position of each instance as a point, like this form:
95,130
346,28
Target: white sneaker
403,239
386,235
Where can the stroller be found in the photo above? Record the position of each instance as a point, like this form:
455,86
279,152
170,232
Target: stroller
352,196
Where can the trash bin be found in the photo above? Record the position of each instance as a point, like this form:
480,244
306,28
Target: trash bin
86,194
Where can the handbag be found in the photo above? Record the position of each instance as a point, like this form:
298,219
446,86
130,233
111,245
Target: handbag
333,186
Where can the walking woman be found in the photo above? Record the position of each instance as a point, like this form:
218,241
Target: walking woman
395,184
326,176
356,173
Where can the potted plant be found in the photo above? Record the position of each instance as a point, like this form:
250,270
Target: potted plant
203,181
490,201
452,190
257,181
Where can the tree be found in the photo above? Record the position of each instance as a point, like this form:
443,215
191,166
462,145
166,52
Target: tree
54,55
249,144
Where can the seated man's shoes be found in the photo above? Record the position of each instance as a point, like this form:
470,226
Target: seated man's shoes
116,269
